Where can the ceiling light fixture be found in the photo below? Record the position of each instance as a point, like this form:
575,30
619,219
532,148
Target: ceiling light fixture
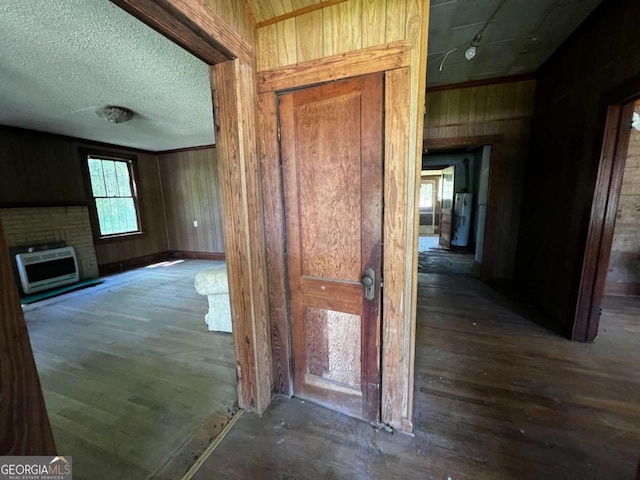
471,52
115,114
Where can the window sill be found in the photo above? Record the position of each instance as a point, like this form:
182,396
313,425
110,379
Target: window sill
120,237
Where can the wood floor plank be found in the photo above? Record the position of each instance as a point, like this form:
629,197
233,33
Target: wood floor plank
130,373
497,396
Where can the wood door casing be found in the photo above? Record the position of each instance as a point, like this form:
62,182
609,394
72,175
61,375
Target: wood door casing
331,143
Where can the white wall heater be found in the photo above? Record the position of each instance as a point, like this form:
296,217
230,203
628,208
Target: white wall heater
47,269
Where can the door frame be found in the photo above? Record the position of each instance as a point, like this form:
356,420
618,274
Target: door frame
616,108
400,216
496,183
201,31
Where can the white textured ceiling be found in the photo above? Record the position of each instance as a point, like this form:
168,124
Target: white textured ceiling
61,59
518,40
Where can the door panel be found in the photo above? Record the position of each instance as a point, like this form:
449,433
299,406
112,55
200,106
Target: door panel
446,213
331,142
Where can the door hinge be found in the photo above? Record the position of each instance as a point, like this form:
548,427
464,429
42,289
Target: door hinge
278,132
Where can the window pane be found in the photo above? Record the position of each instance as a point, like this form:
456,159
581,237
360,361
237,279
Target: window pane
426,195
109,169
115,204
124,185
95,173
116,215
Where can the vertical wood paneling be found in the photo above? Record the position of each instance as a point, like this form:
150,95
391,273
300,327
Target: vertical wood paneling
191,191
24,424
287,51
373,22
267,43
346,32
395,22
327,32
309,38
501,109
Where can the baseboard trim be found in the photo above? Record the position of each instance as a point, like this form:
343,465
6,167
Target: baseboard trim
137,262
197,255
616,288
131,263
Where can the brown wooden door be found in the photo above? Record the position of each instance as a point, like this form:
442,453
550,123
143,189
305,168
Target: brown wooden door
331,141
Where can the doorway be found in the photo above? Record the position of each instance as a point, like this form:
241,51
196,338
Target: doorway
460,176
612,257
331,147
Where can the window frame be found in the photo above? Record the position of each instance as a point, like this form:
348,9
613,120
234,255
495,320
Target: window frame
132,165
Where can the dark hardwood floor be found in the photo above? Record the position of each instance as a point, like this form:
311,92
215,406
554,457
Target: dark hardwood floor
135,385
496,396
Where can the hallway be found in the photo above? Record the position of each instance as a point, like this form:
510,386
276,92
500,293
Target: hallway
496,396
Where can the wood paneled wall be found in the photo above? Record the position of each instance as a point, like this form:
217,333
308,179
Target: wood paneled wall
566,141
24,425
323,44
341,28
501,109
191,192
39,169
623,276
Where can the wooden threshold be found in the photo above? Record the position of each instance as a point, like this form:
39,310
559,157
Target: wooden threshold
212,446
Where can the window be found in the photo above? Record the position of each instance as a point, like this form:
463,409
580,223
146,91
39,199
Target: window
426,195
114,192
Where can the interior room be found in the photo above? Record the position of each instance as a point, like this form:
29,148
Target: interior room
335,238
135,380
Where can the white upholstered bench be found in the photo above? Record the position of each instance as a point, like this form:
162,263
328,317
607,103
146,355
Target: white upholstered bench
214,284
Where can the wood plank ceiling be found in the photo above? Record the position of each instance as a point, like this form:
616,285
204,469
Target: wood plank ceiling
270,11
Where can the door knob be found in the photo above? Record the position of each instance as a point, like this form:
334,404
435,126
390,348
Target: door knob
369,281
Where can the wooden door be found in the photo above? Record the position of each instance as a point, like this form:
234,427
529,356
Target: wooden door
446,211
331,142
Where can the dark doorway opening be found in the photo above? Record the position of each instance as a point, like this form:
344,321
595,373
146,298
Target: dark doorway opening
453,206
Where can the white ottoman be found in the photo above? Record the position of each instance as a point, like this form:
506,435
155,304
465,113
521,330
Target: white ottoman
214,284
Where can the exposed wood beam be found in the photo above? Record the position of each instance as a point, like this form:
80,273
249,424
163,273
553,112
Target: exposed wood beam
173,24
300,11
358,62
240,186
